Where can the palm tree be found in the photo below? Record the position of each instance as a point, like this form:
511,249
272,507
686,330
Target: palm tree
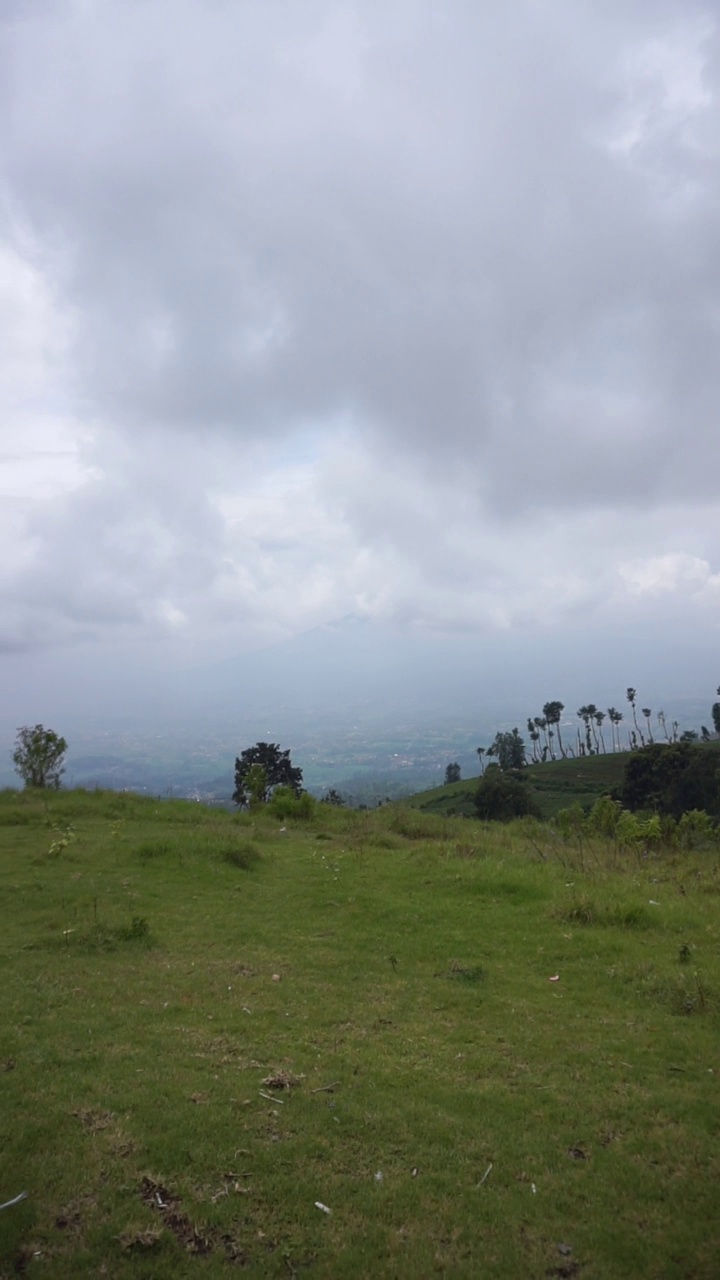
584,714
647,714
481,753
599,717
552,712
615,717
541,723
534,736
592,715
631,695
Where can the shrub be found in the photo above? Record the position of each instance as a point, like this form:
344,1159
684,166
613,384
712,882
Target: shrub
605,816
503,796
285,804
570,822
695,829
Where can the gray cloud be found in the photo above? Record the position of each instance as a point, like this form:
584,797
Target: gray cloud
359,304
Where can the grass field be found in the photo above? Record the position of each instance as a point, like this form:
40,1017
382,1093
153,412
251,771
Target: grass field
555,785
485,1051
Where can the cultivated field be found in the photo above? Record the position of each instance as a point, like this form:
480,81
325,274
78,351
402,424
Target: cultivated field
357,1045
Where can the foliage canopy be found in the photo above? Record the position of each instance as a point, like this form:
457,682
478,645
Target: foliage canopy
39,756
278,772
502,796
673,779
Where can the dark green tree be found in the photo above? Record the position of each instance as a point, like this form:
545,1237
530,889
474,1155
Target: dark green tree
279,772
480,754
502,796
333,797
673,779
509,750
39,756
452,773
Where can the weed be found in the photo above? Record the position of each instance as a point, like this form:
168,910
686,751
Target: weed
463,973
148,849
245,856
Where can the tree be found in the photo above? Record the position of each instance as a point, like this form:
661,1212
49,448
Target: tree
278,768
716,713
647,712
256,786
502,796
333,797
452,773
552,712
673,779
615,717
509,750
585,713
480,754
598,720
631,697
39,756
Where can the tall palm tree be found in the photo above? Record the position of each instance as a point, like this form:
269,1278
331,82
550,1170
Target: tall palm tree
481,753
552,712
615,717
631,696
584,714
647,714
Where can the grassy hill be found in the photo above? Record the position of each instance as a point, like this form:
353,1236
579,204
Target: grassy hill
556,785
384,1044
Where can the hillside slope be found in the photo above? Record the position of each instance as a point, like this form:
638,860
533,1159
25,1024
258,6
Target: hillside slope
556,785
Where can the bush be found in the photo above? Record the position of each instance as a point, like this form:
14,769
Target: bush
503,796
570,822
285,804
695,829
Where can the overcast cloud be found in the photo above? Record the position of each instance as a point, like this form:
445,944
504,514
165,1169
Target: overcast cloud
406,309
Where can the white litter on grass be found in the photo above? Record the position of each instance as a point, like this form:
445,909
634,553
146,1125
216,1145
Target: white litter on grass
323,1207
16,1200
533,1188
378,1176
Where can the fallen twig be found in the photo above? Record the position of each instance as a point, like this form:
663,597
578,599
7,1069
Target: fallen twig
280,1101
486,1174
326,1088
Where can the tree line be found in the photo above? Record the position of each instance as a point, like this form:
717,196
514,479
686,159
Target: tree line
510,750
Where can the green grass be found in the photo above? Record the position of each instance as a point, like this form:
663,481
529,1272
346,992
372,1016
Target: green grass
555,785
211,1023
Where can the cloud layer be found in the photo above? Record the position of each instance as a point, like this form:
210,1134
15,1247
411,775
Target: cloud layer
398,309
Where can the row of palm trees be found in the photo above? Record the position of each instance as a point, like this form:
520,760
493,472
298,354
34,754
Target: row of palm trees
546,740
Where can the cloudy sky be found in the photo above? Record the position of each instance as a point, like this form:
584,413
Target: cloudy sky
397,308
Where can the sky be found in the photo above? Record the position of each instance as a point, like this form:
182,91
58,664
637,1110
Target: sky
397,309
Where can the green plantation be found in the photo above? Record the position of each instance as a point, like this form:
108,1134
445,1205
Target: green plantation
343,1044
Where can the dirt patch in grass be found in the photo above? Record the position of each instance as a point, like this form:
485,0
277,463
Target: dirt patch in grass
94,1120
193,1239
